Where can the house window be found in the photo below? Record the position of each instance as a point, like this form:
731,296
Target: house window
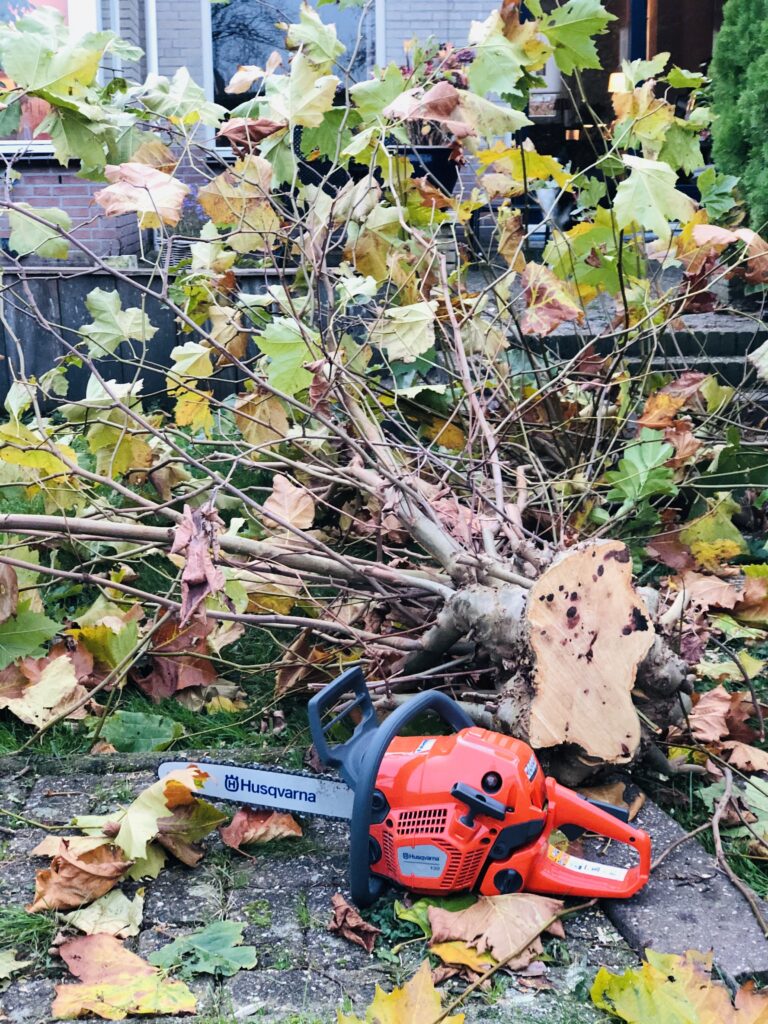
246,32
82,16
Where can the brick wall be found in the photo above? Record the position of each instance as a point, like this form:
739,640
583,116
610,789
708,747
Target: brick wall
446,20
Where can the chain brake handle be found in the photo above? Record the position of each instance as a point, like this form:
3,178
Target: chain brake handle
360,757
567,808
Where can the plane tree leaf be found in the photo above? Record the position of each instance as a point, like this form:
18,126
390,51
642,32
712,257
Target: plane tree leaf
30,237
316,39
304,96
648,197
254,828
498,924
9,965
417,1000
156,197
115,983
216,949
289,346
548,301
132,732
179,99
406,332
571,29
111,914
112,324
55,693
671,989
23,634
74,879
292,504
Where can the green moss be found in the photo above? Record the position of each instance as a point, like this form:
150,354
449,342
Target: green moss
259,913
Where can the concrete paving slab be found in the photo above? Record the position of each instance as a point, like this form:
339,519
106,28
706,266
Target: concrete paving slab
690,904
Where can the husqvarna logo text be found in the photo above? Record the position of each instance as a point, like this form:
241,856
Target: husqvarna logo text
423,861
237,784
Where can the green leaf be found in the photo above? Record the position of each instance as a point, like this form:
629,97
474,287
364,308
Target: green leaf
133,732
716,191
330,137
317,40
406,332
648,197
289,346
215,949
639,70
29,236
304,96
372,96
641,472
498,63
76,137
418,912
23,635
489,119
112,324
681,149
571,28
678,78
179,99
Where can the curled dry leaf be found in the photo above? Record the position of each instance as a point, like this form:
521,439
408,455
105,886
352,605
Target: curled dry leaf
707,591
745,757
115,983
53,693
348,923
620,794
9,592
75,879
291,504
178,660
498,925
249,827
195,538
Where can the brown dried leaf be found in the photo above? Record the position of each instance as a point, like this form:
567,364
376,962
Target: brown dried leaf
682,439
498,924
245,133
195,538
707,591
75,879
660,410
9,592
292,504
160,677
668,549
261,418
708,718
249,827
350,925
745,757
441,103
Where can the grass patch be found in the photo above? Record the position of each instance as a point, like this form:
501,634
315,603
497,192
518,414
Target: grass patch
31,935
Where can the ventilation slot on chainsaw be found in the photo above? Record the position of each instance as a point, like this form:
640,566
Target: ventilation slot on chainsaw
431,821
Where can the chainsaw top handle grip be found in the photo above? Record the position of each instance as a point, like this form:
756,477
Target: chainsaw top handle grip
364,887
344,756
359,759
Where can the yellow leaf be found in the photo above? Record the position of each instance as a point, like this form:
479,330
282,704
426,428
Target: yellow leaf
458,953
261,418
670,989
193,409
447,435
417,1002
538,167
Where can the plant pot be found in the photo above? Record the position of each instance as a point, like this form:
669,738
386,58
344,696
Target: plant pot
434,163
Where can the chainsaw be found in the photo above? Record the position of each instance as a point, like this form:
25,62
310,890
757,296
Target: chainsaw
469,811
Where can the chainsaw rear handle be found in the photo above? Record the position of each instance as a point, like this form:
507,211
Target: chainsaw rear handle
565,807
360,757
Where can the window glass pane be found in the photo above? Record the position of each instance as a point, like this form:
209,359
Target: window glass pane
33,110
246,32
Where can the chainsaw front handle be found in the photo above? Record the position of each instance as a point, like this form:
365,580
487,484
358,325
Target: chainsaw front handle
550,871
364,887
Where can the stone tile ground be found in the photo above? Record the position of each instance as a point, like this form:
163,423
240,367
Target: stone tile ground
283,896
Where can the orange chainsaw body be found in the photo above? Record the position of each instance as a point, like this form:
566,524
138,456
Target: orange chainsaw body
474,811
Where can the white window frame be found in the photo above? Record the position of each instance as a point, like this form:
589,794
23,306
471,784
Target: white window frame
83,16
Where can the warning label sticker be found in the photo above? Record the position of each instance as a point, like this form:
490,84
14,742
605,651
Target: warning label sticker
586,867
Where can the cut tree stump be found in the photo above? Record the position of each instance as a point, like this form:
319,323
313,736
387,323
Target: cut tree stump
584,634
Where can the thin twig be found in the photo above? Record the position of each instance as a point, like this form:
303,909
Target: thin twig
744,889
455,1003
679,842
